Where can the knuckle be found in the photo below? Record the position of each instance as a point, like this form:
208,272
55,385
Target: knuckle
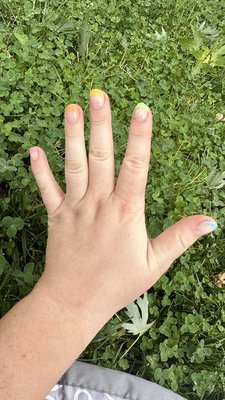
134,162
99,154
98,122
138,132
43,188
74,167
183,242
125,206
42,183
58,215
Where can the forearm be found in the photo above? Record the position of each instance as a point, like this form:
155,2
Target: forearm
39,340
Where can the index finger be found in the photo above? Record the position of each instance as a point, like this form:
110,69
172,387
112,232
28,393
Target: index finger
133,175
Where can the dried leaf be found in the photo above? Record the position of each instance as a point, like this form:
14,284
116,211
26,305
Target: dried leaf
139,319
219,279
220,117
215,180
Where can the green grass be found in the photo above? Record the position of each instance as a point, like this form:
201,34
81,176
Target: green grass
53,53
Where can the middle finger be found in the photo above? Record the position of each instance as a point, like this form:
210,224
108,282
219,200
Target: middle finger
101,149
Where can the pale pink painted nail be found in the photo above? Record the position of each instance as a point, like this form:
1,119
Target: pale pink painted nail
33,153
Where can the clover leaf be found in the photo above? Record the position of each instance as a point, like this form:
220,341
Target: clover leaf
13,225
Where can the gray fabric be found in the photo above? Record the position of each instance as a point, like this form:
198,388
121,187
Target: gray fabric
85,381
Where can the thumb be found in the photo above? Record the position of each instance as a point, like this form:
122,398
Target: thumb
176,239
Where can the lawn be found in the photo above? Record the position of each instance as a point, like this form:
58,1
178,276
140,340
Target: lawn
171,56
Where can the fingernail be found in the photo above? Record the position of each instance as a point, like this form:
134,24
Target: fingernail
72,113
206,227
141,111
97,98
33,153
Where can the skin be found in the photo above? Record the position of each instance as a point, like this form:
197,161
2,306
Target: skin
99,257
106,250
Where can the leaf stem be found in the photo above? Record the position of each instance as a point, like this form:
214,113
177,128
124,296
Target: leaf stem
140,334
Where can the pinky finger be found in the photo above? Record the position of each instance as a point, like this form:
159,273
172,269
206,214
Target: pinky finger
51,193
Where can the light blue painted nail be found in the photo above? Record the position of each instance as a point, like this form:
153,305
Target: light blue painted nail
213,225
206,227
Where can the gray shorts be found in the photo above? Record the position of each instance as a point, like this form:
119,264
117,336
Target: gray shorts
84,381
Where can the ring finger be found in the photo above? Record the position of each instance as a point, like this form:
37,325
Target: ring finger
76,167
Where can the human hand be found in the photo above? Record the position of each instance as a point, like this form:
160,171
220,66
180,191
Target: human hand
99,257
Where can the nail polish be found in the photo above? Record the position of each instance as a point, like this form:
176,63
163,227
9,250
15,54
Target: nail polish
97,98
141,111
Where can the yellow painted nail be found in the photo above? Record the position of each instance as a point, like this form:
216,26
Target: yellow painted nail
97,98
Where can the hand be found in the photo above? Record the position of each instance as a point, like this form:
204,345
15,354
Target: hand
99,257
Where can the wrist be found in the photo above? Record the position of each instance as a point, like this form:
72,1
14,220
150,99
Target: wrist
40,339
80,312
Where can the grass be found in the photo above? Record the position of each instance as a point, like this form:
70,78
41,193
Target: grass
53,53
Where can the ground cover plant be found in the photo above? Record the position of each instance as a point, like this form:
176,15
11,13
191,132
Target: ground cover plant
170,55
